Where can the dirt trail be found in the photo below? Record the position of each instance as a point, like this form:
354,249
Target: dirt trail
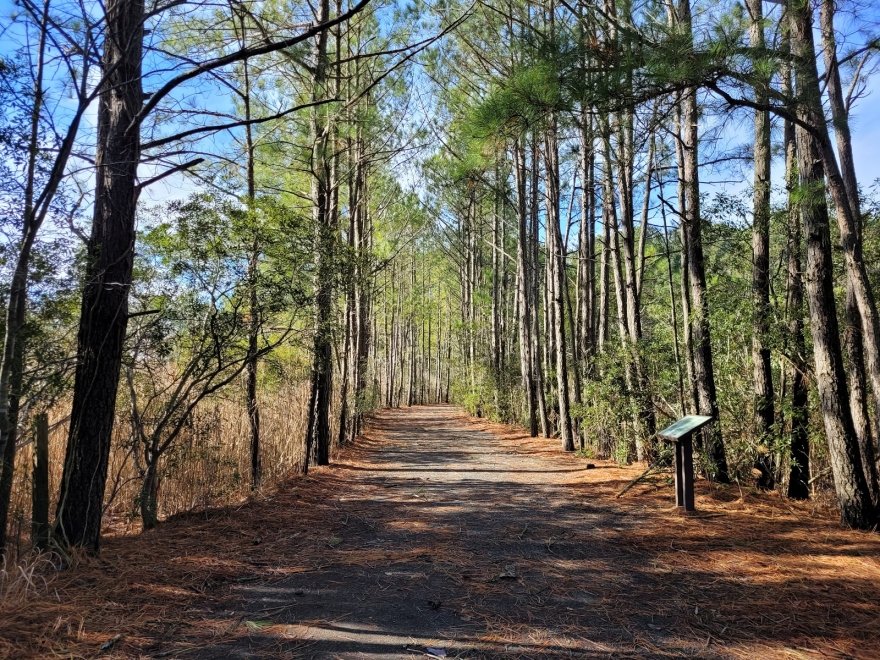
447,540
442,532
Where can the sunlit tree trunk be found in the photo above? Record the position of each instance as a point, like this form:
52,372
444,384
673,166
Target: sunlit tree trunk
854,499
704,371
854,335
762,374
798,432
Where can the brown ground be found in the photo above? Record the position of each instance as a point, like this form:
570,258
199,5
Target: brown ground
439,531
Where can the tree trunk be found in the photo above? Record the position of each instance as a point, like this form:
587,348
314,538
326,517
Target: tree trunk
533,298
318,431
586,273
557,271
604,280
853,497
798,433
11,367
7,473
762,374
704,372
149,496
109,259
523,286
856,319
251,370
673,315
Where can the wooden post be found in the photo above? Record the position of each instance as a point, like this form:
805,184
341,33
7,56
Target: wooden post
40,484
686,470
682,434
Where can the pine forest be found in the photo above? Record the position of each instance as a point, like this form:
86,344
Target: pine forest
358,328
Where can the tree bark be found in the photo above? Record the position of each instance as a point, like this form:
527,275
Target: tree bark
704,371
109,260
318,431
762,374
523,286
533,297
854,336
557,271
853,497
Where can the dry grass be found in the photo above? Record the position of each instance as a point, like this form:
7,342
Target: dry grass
209,466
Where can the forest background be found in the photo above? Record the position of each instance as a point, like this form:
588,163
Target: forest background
233,229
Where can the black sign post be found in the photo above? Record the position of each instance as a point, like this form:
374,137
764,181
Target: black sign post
682,434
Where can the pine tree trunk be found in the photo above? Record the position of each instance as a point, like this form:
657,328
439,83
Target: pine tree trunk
533,297
704,371
854,336
673,314
762,374
556,256
586,270
16,377
853,497
317,441
109,260
523,288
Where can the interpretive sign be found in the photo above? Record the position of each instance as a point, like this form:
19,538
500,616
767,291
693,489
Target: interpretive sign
682,434
684,426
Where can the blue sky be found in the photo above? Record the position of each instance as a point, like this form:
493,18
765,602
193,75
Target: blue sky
865,124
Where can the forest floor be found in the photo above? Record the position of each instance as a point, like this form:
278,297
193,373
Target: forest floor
440,534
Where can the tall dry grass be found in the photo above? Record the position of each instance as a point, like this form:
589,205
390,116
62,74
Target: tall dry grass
208,466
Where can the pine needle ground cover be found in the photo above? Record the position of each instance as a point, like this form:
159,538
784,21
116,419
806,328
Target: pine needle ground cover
440,533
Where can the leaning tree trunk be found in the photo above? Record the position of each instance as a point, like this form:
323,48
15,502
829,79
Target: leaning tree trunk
109,260
854,499
854,337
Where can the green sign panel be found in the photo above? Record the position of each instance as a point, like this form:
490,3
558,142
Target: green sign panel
684,426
